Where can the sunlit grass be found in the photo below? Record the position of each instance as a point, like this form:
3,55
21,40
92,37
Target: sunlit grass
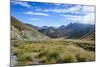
50,52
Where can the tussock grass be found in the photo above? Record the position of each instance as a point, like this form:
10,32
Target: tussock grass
50,52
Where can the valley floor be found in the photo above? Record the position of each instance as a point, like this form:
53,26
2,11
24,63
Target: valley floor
76,40
52,51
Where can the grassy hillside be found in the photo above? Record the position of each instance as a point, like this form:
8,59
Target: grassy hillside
20,29
89,36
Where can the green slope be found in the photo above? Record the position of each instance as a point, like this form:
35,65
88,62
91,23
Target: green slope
89,36
21,31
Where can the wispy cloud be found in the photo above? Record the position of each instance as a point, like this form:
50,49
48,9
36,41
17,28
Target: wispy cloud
35,19
36,13
72,18
69,12
72,10
81,14
24,4
75,9
55,10
57,4
88,9
87,19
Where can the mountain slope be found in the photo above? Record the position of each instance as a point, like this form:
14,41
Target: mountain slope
21,31
72,30
89,36
82,32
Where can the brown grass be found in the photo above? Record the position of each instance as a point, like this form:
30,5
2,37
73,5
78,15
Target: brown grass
50,52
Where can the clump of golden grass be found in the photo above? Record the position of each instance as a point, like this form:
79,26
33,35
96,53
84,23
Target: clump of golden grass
50,52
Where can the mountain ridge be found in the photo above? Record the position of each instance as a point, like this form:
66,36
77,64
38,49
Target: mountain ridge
22,30
19,29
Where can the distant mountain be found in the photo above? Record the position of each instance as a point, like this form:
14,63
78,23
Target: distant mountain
80,32
72,30
50,31
20,31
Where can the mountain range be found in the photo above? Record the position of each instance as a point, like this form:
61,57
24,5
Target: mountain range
20,30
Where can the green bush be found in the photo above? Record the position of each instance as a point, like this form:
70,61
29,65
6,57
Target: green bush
25,57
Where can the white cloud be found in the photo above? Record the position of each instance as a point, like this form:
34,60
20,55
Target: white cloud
78,9
72,18
62,10
74,9
36,13
34,19
24,4
53,10
57,4
87,18
89,9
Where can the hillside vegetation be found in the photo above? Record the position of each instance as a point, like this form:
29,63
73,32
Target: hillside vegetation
89,36
32,45
21,31
52,51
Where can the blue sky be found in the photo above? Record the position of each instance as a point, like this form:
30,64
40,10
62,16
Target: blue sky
52,14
